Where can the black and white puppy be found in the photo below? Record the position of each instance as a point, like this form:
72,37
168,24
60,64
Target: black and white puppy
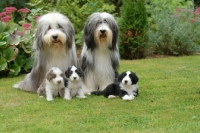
73,84
126,87
52,84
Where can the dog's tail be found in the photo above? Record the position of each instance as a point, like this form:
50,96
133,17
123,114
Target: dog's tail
98,93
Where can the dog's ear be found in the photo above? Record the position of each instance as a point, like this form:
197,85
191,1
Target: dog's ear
134,78
69,31
89,37
79,72
50,75
114,29
89,30
38,43
113,26
68,72
121,76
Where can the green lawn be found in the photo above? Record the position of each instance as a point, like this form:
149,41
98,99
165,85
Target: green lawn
169,101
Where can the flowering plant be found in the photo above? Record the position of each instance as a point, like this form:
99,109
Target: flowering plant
176,33
16,36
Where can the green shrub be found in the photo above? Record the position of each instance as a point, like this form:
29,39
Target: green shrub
175,34
133,27
16,40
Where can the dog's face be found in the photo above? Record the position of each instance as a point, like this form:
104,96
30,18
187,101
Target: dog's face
101,29
54,29
73,73
55,75
128,78
55,35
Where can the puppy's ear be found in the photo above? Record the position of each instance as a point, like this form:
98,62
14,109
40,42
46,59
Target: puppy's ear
134,78
121,76
79,72
68,72
50,75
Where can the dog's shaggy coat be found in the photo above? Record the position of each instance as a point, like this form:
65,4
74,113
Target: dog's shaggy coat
53,46
100,54
52,84
73,84
126,87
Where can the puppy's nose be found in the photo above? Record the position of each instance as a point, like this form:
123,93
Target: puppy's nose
102,31
74,78
55,37
59,81
125,81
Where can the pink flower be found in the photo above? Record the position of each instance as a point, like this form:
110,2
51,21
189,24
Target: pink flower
192,20
10,10
2,14
179,9
19,33
26,26
197,10
6,19
36,17
24,10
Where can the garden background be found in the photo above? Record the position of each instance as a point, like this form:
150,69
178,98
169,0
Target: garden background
147,27
169,88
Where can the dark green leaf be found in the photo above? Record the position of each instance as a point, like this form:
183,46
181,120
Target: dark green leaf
3,63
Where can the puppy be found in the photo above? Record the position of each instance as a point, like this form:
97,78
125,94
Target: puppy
100,54
126,87
52,84
73,84
53,46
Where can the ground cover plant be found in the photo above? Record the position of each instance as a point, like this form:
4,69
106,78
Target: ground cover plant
169,97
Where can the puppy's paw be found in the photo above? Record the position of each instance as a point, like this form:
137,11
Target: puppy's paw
41,96
89,93
111,96
127,97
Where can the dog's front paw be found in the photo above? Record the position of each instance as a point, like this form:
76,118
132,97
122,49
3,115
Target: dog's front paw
127,97
49,99
68,98
89,93
81,96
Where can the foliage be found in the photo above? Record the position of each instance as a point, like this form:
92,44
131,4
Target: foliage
175,34
168,101
16,40
14,3
133,28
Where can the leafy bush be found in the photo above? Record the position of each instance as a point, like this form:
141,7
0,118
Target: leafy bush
16,40
175,34
133,27
14,3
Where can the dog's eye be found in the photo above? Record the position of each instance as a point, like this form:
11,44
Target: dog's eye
62,75
105,21
59,26
49,27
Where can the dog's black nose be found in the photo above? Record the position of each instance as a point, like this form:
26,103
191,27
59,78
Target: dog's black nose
59,81
74,78
54,37
125,81
102,31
